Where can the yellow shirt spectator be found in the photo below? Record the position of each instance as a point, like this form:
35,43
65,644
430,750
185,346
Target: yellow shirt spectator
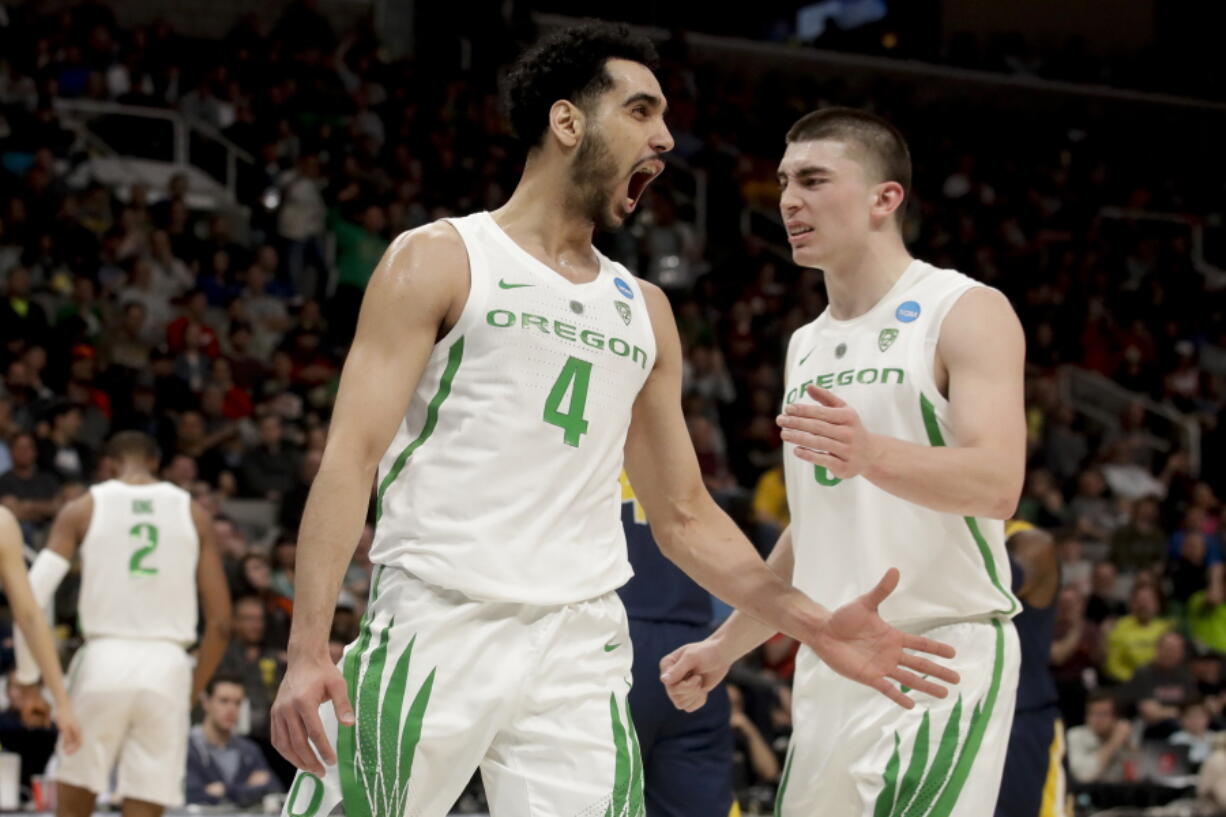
1132,644
770,498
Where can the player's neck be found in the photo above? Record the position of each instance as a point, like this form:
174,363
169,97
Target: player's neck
541,219
857,284
134,475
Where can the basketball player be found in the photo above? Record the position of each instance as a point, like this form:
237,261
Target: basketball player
147,552
687,756
499,369
1033,783
29,620
904,445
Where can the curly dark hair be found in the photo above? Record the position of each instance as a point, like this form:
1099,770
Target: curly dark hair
567,64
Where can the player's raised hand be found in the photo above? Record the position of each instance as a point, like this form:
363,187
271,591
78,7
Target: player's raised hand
828,433
858,644
691,672
295,721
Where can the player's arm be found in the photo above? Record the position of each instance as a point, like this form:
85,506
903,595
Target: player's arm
983,349
50,567
1035,551
712,657
704,542
214,601
421,280
691,529
32,635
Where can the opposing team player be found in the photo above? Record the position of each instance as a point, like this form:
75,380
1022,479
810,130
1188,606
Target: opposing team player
147,555
500,367
904,445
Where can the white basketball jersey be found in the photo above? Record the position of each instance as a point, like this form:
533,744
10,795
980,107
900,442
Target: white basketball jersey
848,532
502,481
138,564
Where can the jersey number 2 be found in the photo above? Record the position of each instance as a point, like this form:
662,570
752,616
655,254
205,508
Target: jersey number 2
574,426
145,538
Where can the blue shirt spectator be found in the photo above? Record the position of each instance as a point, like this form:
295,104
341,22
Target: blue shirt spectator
223,767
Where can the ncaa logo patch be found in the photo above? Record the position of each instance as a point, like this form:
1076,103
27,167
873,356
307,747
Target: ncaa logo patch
623,288
908,311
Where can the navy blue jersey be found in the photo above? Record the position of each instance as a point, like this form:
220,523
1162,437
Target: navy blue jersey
1035,631
659,590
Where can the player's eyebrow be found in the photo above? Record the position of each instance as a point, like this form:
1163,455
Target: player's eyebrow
651,99
805,172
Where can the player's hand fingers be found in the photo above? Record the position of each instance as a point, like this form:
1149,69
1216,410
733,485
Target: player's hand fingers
826,397
889,690
338,691
301,753
813,411
928,645
884,588
819,428
70,732
908,678
314,728
828,461
680,668
816,442
926,667
276,735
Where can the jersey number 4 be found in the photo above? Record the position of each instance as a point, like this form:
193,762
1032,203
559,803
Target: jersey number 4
575,376
145,539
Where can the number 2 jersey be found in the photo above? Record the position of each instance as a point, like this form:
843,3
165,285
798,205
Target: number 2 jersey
502,480
847,533
138,564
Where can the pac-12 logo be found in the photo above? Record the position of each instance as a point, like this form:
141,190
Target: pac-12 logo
908,311
623,288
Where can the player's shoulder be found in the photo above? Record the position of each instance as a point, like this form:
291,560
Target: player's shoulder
433,243
430,260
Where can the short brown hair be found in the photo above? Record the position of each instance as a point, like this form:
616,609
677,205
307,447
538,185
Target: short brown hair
881,143
134,445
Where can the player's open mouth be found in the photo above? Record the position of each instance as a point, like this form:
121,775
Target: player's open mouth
639,179
797,232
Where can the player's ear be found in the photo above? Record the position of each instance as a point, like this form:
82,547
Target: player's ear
566,122
887,198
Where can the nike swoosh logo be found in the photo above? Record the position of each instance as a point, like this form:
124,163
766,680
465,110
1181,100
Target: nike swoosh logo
801,362
611,647
504,285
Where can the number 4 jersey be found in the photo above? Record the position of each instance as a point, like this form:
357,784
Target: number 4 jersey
138,564
502,480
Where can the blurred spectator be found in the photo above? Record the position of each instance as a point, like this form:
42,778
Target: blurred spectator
1194,732
1076,653
756,764
1160,689
1140,543
1133,641
257,667
1104,604
1192,571
60,453
27,490
300,223
1096,749
224,767
270,470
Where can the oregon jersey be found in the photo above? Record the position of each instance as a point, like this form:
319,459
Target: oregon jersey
138,564
502,480
848,532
